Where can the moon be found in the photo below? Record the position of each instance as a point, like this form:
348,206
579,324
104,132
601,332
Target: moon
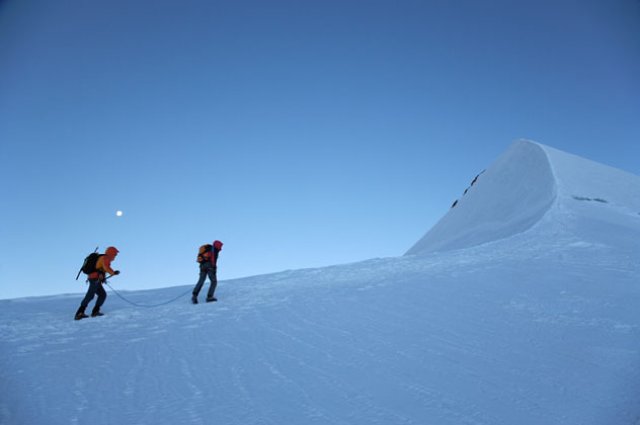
119,213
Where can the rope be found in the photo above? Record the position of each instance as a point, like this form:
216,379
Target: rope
147,305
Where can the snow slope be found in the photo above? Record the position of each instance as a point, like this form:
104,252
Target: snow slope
508,198
527,319
528,182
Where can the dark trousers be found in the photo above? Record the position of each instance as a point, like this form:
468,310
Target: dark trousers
206,270
95,287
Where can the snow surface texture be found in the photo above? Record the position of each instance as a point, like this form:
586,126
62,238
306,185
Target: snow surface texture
523,310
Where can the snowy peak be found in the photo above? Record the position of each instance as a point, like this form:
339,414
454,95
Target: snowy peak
526,183
506,199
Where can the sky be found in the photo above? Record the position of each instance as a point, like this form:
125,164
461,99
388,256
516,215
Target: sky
523,327
301,134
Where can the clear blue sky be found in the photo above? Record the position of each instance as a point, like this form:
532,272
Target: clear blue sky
300,133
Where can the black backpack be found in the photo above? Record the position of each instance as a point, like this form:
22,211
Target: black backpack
89,264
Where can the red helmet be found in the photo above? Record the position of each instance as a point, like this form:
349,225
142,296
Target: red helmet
112,251
217,245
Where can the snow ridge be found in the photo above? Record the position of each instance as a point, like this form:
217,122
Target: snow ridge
510,197
536,186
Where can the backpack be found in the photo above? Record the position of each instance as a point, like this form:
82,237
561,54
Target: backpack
203,250
89,265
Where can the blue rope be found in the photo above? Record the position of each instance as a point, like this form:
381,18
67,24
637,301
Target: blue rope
147,305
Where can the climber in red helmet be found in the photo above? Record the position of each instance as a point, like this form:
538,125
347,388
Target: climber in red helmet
208,260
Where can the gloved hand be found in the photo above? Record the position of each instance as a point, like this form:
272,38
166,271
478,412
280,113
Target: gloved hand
117,272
